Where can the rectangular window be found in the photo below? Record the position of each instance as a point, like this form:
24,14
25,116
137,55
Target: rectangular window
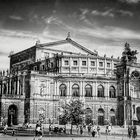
115,65
108,65
75,62
100,64
84,63
66,62
92,63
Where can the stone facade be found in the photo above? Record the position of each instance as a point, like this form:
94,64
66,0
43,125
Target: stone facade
45,76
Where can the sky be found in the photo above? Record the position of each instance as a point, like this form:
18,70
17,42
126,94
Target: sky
101,25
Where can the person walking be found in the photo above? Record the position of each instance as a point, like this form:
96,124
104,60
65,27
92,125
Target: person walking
109,129
129,131
38,130
50,129
98,130
5,129
89,129
81,130
134,134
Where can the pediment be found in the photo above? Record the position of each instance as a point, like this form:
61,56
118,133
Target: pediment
68,46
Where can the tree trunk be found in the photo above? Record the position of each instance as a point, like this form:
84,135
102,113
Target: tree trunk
71,129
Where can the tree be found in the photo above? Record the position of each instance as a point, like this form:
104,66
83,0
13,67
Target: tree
128,55
73,112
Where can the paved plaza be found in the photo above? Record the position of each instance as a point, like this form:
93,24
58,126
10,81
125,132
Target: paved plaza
103,137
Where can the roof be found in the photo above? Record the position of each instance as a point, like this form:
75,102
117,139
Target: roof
68,40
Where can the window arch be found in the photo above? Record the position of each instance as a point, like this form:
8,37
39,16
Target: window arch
101,116
112,92
112,116
88,91
63,90
100,91
75,90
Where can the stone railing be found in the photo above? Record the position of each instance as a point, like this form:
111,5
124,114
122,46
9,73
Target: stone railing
94,98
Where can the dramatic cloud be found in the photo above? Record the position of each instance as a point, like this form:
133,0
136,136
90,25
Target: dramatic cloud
125,13
17,34
14,17
131,1
105,13
102,25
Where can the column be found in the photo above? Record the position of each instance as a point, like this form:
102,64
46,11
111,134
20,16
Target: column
56,88
79,65
88,65
70,63
17,84
47,93
23,85
81,88
95,89
97,66
107,94
70,88
105,66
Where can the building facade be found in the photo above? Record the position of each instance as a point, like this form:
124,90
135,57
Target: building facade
45,76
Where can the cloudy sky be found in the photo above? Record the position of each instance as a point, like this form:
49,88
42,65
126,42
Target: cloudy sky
102,25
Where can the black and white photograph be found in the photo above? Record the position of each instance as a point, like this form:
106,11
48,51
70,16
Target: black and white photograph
70,69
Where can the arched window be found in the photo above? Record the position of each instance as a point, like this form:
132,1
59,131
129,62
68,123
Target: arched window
62,90
112,92
100,91
75,90
100,116
88,116
112,116
134,81
88,91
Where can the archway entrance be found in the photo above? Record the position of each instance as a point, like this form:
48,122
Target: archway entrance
12,115
88,116
112,117
137,121
100,116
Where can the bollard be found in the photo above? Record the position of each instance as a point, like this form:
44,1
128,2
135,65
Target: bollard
106,137
122,136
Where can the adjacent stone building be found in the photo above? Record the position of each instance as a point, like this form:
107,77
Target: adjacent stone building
45,76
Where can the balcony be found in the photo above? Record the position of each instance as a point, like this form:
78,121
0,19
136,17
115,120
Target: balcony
86,99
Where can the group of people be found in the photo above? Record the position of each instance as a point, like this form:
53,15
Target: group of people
38,130
108,129
93,130
56,129
132,132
